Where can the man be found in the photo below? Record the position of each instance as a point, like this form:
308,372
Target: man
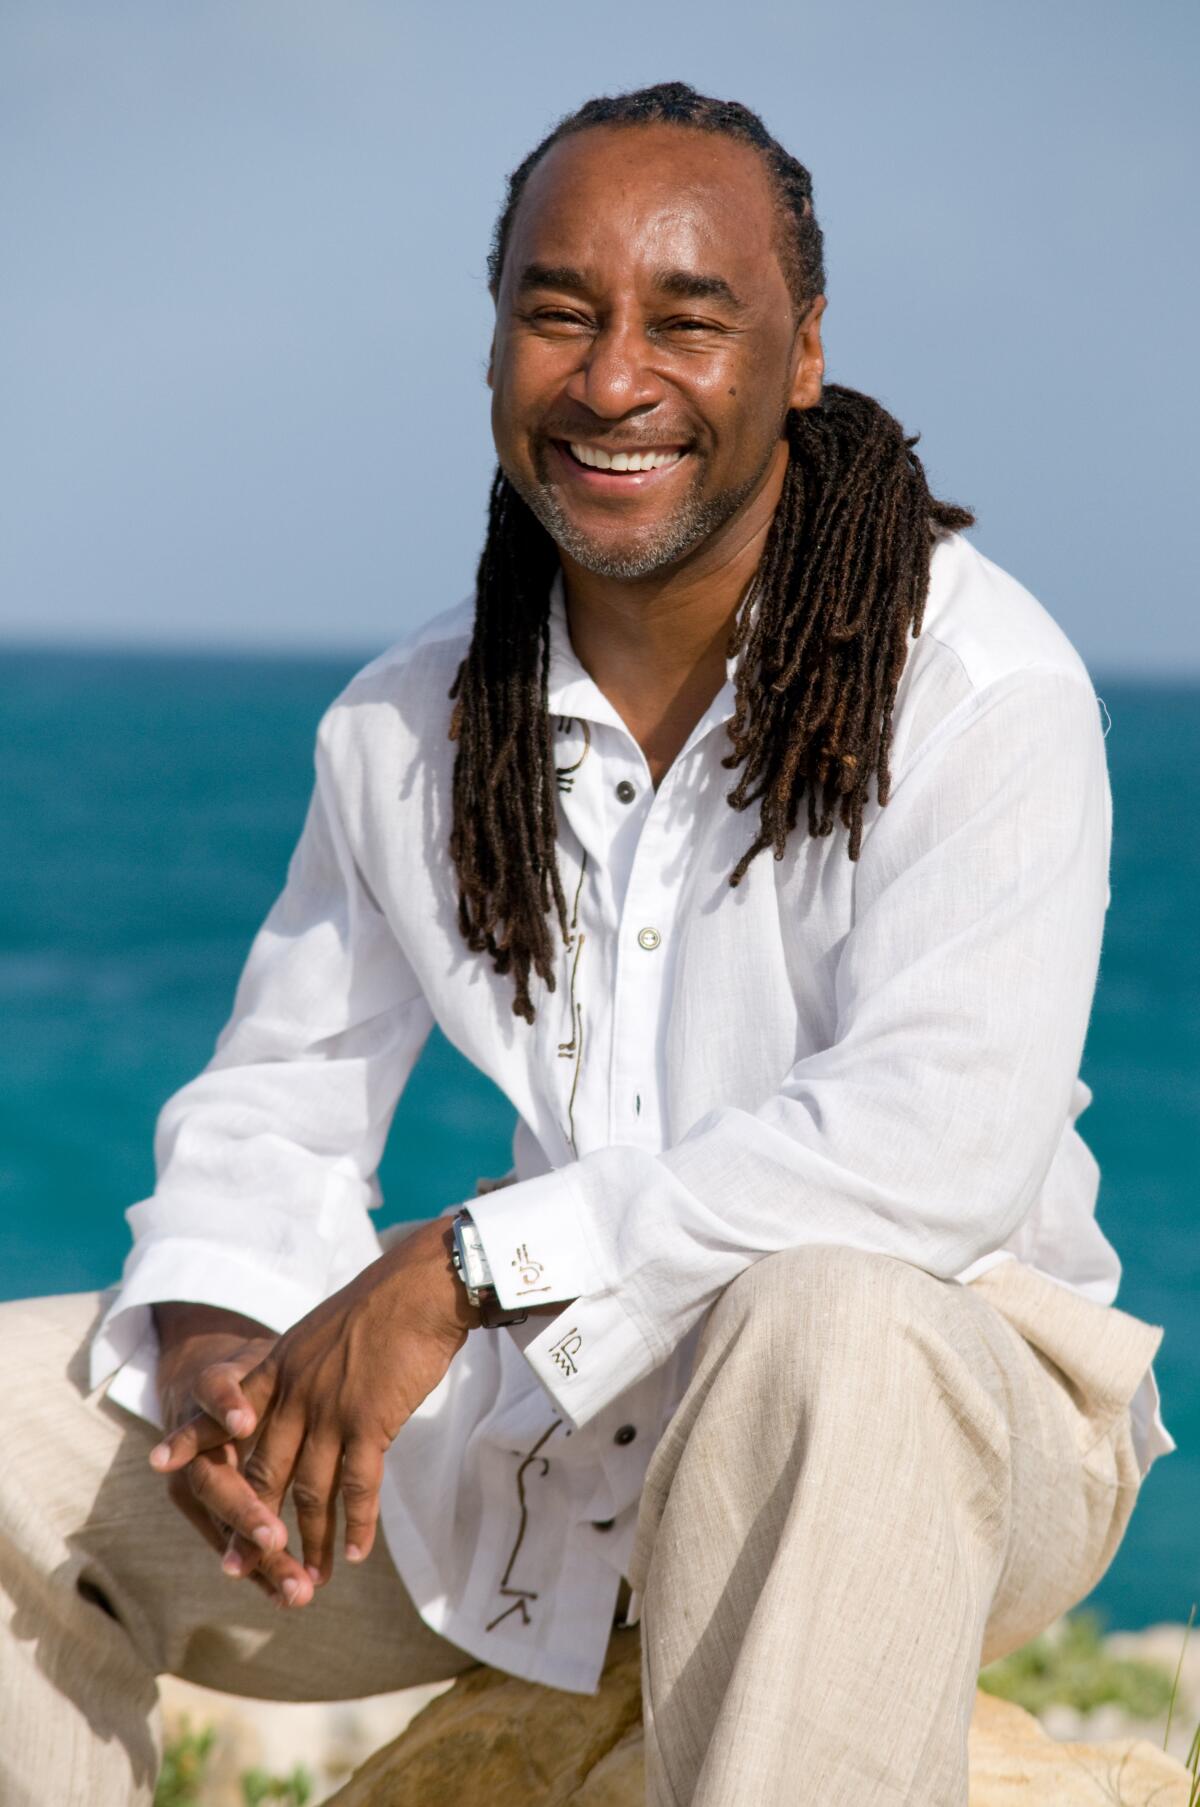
800,1252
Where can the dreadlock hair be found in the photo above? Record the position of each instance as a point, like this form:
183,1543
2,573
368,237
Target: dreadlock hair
821,639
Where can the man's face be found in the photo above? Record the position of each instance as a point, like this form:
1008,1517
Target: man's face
643,316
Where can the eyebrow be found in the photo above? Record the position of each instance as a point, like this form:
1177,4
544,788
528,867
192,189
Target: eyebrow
680,285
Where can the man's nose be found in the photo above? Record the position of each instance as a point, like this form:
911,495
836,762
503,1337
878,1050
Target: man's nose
615,376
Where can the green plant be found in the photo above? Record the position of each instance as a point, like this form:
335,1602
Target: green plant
185,1760
1192,1764
1069,1665
291,1791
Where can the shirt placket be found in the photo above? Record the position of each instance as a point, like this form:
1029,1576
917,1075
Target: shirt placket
646,917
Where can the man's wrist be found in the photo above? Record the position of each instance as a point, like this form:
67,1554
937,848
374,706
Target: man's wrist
429,1249
471,1266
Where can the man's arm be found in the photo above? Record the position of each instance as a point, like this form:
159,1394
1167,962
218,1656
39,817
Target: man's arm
266,1161
926,1128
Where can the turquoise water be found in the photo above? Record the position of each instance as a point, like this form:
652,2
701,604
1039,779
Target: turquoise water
147,810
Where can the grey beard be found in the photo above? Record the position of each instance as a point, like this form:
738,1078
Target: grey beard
694,522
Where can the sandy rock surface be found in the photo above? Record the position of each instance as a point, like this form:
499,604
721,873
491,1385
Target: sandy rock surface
1015,1763
492,1739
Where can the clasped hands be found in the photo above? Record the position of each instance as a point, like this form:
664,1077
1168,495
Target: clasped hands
252,1415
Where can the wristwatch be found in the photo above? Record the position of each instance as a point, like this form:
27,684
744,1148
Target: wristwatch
471,1265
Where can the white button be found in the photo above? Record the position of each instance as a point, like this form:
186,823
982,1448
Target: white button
649,939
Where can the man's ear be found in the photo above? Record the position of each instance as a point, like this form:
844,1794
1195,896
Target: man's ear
809,358
491,363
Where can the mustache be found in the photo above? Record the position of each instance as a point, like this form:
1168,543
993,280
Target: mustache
616,441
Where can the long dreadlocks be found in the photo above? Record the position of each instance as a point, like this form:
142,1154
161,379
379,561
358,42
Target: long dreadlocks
821,640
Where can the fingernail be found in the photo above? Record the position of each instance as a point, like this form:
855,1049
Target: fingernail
160,1454
291,1588
353,1553
239,1423
232,1563
264,1537
313,1573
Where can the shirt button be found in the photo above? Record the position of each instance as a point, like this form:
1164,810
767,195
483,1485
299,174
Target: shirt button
603,1524
625,791
649,939
626,1434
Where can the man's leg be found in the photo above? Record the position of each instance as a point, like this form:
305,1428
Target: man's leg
104,1585
873,1484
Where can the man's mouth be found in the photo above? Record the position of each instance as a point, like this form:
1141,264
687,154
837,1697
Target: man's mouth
600,458
614,471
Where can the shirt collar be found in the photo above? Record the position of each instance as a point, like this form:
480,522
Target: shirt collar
572,693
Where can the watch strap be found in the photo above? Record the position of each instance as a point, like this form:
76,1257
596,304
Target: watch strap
470,1263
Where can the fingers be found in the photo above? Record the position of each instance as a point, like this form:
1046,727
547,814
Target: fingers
227,1496
362,1477
312,1474
320,1472
314,1496
181,1495
179,1490
191,1438
279,1575
230,1406
229,1396
269,1465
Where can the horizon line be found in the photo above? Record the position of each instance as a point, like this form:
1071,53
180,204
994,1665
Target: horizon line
1177,674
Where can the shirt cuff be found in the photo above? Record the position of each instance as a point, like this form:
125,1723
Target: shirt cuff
591,1353
200,1273
533,1236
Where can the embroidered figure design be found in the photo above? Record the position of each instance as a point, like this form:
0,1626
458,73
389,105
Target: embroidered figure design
573,1049
565,1351
521,1596
529,1271
564,775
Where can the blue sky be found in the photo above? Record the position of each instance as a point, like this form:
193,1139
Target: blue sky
243,320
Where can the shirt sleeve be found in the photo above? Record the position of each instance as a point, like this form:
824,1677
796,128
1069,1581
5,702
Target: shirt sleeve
266,1161
926,1128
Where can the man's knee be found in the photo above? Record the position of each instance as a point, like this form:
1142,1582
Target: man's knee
823,1296
44,1343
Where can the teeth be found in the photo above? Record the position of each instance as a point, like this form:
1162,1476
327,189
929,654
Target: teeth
623,461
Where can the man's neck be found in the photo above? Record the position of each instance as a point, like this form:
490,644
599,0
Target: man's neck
657,646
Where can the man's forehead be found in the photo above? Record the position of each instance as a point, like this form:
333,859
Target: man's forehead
659,182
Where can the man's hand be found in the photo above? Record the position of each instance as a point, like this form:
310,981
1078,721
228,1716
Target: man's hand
205,1352
322,1404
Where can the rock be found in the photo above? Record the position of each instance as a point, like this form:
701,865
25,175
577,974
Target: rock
1015,1763
509,1743
493,1738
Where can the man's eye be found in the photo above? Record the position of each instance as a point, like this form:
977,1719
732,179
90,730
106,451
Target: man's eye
558,316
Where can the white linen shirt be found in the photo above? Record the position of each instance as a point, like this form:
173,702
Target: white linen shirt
882,1053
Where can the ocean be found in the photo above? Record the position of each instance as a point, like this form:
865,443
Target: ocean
148,806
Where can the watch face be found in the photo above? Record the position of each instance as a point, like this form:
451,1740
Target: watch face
473,1262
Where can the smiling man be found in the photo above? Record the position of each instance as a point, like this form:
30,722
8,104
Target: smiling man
751,831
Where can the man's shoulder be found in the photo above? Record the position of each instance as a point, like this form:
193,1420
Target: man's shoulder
405,689
989,623
437,644
982,636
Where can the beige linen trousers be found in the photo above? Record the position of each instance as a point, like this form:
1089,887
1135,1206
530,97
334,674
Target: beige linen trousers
875,1481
